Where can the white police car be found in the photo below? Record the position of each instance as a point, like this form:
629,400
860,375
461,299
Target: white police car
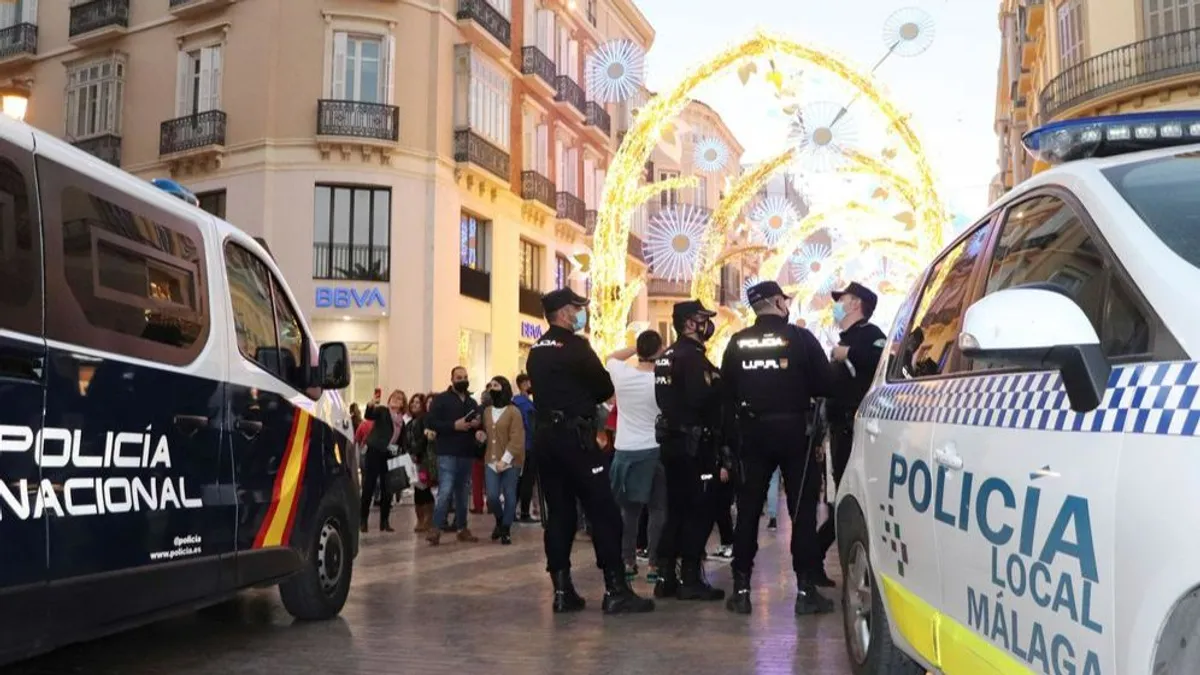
1026,467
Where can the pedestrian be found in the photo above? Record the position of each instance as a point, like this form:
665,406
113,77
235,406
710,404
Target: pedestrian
455,417
855,359
772,371
478,482
773,502
688,390
570,383
383,443
417,444
524,402
505,453
638,478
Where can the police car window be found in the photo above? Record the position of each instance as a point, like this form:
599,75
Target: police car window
927,349
290,339
1165,193
20,254
135,275
253,314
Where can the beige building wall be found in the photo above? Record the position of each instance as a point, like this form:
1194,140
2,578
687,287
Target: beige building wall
245,118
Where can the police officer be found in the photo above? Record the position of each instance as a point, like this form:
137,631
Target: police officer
686,387
855,359
771,372
570,383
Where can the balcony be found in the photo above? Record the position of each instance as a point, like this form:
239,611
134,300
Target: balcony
571,208
1166,57
98,20
537,188
567,91
474,283
472,149
191,8
358,119
18,44
105,146
538,70
668,288
597,117
353,262
486,26
1035,16
529,302
194,142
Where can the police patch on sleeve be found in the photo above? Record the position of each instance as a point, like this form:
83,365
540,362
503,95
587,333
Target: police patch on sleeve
881,342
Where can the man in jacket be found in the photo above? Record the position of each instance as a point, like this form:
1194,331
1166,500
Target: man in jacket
454,416
529,471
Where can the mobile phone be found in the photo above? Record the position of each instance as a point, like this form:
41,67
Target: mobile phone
471,416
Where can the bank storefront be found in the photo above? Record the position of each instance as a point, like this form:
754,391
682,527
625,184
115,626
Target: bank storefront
531,332
355,312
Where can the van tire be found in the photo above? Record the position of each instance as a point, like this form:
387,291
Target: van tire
318,591
880,657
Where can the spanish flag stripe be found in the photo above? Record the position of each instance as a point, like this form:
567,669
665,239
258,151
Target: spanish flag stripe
285,489
291,516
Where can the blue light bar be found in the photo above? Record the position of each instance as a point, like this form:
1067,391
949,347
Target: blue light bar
174,188
1088,137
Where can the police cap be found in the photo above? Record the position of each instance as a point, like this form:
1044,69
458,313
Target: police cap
559,298
866,295
764,290
687,309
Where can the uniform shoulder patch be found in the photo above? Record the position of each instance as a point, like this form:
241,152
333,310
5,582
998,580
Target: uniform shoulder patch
881,342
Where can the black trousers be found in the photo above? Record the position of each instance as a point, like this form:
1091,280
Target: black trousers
373,478
572,470
782,444
525,485
724,511
841,440
690,505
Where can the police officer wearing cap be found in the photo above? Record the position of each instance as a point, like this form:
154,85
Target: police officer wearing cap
687,389
771,371
570,382
855,358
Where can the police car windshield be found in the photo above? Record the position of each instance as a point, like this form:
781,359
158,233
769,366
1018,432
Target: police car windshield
1165,192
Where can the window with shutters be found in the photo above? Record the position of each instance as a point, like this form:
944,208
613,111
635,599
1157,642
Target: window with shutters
702,191
362,66
1169,16
1070,33
668,198
95,90
536,142
482,97
16,12
199,81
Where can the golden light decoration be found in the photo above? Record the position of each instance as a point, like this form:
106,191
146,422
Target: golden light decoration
772,217
613,294
615,71
908,32
675,240
710,154
824,132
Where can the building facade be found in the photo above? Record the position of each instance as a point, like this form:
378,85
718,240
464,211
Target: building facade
420,171
1063,59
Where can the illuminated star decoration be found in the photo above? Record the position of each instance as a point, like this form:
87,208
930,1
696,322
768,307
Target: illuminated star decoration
615,71
747,284
809,260
773,217
710,154
673,242
908,32
823,132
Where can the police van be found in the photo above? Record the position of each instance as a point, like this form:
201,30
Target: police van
169,431
1026,468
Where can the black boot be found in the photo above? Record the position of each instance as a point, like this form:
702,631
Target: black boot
565,597
693,585
497,530
822,580
505,536
739,602
619,598
668,579
809,600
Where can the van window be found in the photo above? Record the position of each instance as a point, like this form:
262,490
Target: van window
122,276
20,253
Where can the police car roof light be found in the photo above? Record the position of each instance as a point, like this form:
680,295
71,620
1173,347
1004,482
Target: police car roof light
174,188
1111,135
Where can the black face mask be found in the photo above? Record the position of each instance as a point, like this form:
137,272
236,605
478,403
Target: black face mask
462,386
499,400
705,330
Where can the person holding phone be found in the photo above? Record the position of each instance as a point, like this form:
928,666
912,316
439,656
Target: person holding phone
454,417
383,443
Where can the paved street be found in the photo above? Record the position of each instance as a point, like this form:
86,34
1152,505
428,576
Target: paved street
478,608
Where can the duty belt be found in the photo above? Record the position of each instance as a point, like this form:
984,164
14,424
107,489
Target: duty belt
559,418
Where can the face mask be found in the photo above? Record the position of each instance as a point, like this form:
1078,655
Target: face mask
581,320
499,400
462,386
706,330
839,312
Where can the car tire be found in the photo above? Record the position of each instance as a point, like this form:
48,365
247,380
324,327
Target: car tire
318,591
868,636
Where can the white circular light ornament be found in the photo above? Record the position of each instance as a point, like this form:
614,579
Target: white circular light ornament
615,71
908,31
772,218
823,132
747,284
710,154
809,261
673,242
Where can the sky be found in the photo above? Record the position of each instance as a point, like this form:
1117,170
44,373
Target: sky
949,90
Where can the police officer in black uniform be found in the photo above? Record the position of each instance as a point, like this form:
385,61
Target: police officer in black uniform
771,372
855,359
687,388
570,382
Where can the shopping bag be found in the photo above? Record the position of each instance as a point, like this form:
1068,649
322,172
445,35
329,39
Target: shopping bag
400,471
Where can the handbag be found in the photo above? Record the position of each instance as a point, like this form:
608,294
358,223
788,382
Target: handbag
400,471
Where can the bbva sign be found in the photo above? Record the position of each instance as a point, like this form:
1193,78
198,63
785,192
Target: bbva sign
346,298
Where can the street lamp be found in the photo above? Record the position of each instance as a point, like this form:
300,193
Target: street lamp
14,101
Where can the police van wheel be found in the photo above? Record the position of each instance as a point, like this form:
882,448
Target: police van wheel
868,637
319,590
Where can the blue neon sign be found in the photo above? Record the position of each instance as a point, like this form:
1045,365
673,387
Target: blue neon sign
346,298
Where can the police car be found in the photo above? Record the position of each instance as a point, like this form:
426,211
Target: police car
169,431
1026,468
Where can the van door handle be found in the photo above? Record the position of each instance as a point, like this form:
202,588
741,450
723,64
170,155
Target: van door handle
872,428
948,458
191,423
249,428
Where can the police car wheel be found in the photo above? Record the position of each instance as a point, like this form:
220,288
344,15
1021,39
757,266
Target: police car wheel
319,590
868,637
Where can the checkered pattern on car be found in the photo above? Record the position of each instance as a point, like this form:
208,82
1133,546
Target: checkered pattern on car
1146,398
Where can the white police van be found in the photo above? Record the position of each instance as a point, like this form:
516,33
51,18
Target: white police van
1026,467
168,433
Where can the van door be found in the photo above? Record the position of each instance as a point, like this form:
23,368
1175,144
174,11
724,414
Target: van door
132,383
23,561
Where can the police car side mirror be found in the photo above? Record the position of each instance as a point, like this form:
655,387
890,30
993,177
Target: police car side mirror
1039,326
333,366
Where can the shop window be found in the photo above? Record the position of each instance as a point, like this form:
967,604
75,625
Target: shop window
562,271
473,252
352,233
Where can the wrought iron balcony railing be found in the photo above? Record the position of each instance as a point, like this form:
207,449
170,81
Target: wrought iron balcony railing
358,119
98,14
356,262
191,132
570,92
482,13
19,39
471,147
538,188
107,147
598,117
535,62
1156,58
658,286
571,208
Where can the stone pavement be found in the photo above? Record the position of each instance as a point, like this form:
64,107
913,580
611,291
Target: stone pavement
477,608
